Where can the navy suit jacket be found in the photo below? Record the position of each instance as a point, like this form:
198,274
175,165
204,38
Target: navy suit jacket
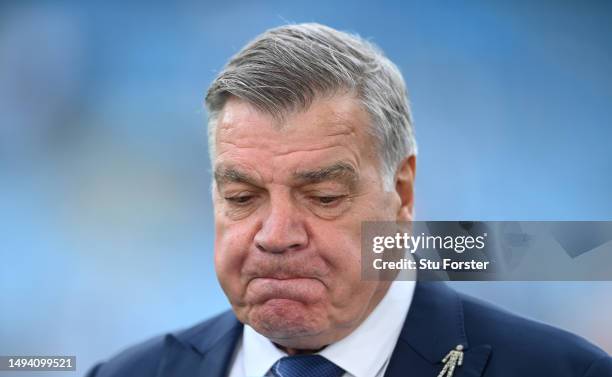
496,343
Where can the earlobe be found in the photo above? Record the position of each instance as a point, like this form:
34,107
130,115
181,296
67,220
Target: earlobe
404,186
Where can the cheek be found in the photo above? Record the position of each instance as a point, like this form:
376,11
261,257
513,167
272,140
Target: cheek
349,295
231,247
340,247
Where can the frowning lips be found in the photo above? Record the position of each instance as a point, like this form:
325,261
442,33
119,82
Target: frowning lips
285,278
307,290
284,267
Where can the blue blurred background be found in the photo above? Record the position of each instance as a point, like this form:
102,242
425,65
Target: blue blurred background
105,214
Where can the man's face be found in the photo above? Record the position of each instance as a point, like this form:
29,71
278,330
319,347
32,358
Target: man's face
289,201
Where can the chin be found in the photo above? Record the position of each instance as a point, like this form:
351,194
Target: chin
285,321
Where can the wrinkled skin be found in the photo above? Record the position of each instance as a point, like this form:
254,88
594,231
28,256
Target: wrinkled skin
289,199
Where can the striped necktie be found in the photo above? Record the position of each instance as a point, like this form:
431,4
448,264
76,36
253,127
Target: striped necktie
305,366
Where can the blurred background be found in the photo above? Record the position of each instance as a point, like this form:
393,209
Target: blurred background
106,230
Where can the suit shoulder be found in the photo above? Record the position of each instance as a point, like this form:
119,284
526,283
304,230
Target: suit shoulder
137,360
207,333
143,359
522,338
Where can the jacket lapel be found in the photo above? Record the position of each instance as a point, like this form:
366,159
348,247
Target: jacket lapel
202,356
433,327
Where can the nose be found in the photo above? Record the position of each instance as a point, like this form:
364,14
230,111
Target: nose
282,229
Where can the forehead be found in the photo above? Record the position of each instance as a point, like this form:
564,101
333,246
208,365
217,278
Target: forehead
330,129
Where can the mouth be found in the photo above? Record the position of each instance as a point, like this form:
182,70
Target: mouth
282,277
303,289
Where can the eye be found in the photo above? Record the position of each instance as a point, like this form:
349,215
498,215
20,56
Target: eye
239,199
328,201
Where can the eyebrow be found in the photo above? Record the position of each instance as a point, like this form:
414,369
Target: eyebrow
230,174
341,171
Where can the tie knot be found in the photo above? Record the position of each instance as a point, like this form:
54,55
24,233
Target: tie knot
306,366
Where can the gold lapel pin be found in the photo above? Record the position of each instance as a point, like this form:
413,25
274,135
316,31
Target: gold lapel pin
451,360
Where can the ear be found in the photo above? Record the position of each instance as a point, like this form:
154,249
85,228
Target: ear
404,186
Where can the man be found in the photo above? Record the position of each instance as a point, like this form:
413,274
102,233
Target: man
310,134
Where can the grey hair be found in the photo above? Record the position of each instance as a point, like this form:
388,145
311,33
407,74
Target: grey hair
284,69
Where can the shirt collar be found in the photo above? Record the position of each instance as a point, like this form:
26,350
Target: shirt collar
379,331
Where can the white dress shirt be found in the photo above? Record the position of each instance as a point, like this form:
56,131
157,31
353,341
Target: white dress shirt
363,353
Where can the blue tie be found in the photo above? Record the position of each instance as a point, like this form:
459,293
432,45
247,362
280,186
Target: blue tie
305,366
